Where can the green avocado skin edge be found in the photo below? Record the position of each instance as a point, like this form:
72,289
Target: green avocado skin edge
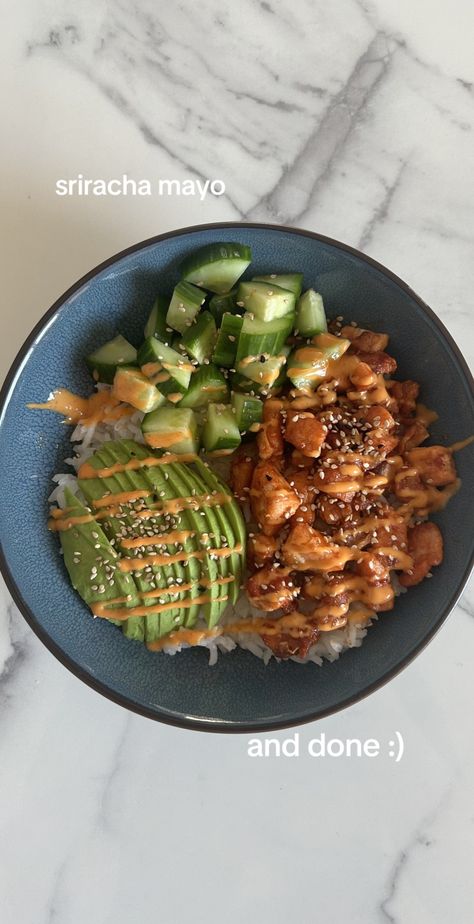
93,549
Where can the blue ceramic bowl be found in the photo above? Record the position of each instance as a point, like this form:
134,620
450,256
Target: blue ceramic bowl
239,693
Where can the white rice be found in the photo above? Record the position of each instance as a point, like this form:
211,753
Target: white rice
87,439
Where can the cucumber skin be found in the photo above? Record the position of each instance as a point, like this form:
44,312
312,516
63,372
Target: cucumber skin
187,296
203,379
258,336
104,370
174,419
198,267
248,410
225,351
266,301
292,282
199,339
310,314
220,417
156,325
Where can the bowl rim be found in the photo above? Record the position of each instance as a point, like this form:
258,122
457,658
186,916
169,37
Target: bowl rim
188,722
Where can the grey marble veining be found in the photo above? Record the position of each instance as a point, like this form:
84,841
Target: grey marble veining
352,119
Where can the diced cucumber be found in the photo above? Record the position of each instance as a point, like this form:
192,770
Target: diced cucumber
308,365
282,377
265,300
310,315
171,428
306,368
104,361
207,384
220,432
216,266
248,411
199,339
168,370
333,347
227,340
257,337
156,325
132,387
293,282
263,369
219,304
184,306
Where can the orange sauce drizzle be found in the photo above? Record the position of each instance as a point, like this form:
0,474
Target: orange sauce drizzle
136,564
175,536
88,471
102,609
101,405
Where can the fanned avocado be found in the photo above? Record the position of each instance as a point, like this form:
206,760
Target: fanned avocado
205,529
91,560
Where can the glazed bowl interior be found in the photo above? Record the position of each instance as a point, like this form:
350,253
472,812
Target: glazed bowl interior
240,693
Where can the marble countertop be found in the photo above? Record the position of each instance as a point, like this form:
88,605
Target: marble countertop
354,119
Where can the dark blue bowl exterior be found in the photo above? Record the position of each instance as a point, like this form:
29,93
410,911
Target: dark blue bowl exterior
240,693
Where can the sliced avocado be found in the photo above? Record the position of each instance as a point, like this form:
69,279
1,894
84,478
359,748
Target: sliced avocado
212,568
122,451
212,528
91,560
231,521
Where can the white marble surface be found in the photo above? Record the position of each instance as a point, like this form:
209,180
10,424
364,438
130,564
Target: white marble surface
354,119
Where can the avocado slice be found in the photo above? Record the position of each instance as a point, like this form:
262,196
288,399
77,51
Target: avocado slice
206,522
211,528
232,523
91,560
155,625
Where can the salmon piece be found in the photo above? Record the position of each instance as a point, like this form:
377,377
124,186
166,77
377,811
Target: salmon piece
425,545
272,589
294,644
406,394
307,549
270,441
379,362
304,431
272,500
241,471
434,464
261,549
302,481
367,341
414,434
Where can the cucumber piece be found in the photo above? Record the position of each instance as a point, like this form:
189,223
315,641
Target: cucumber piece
220,432
199,339
132,387
172,429
265,300
104,361
168,370
333,347
308,365
248,411
219,304
310,315
227,340
263,369
282,377
293,282
156,325
216,267
257,337
184,306
207,384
